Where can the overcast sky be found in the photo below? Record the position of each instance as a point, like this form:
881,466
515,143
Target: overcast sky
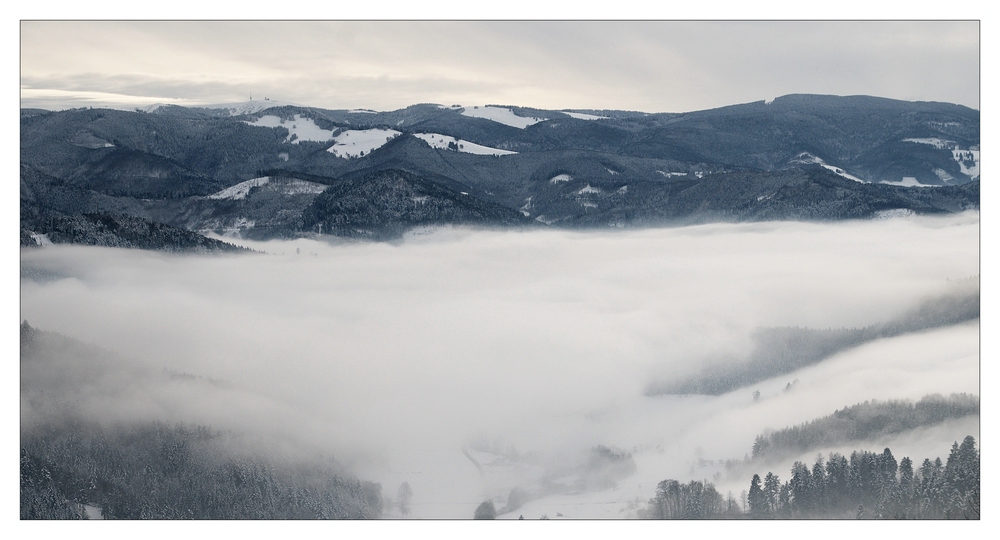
644,65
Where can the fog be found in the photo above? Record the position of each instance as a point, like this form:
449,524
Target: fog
524,349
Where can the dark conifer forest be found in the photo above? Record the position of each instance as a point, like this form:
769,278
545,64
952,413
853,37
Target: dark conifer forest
865,485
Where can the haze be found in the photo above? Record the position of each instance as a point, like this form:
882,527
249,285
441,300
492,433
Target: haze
528,346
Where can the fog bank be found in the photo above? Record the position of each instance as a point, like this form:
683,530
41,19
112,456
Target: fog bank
527,349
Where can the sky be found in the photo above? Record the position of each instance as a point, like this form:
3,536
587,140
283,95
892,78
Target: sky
651,66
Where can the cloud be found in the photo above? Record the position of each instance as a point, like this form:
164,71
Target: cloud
655,66
394,357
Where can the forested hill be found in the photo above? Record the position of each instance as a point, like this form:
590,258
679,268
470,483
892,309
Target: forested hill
871,420
782,350
255,171
91,447
867,485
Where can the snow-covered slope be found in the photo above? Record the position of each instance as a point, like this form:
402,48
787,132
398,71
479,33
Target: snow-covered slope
502,115
299,128
805,158
240,191
436,140
583,116
285,186
358,142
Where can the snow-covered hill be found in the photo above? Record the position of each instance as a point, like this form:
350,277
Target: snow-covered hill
299,129
444,142
502,115
358,142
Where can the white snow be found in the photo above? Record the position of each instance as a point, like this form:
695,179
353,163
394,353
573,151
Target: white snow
436,140
588,190
672,174
42,239
285,186
959,155
943,175
622,190
612,173
362,111
526,208
560,178
357,142
93,512
240,191
933,141
806,158
299,128
583,116
502,115
907,181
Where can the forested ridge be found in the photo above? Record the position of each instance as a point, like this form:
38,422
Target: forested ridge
863,421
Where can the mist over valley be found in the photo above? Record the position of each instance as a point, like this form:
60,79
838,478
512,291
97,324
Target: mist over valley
509,365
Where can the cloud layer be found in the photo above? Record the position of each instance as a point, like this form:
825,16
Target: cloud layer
653,66
395,357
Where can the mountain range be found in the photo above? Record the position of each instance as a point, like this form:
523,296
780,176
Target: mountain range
264,169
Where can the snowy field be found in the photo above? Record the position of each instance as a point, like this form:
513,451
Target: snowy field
436,140
583,116
299,128
470,363
502,115
358,142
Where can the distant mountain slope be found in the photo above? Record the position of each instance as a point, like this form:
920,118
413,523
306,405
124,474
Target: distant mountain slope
782,350
76,462
797,157
383,204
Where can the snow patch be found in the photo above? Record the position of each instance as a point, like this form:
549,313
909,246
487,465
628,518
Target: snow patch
560,178
622,190
943,175
583,116
240,191
588,190
436,140
672,174
299,128
358,142
362,111
805,158
93,512
41,239
502,115
527,206
588,205
940,144
612,173
907,181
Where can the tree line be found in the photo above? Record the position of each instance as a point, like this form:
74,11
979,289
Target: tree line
866,485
